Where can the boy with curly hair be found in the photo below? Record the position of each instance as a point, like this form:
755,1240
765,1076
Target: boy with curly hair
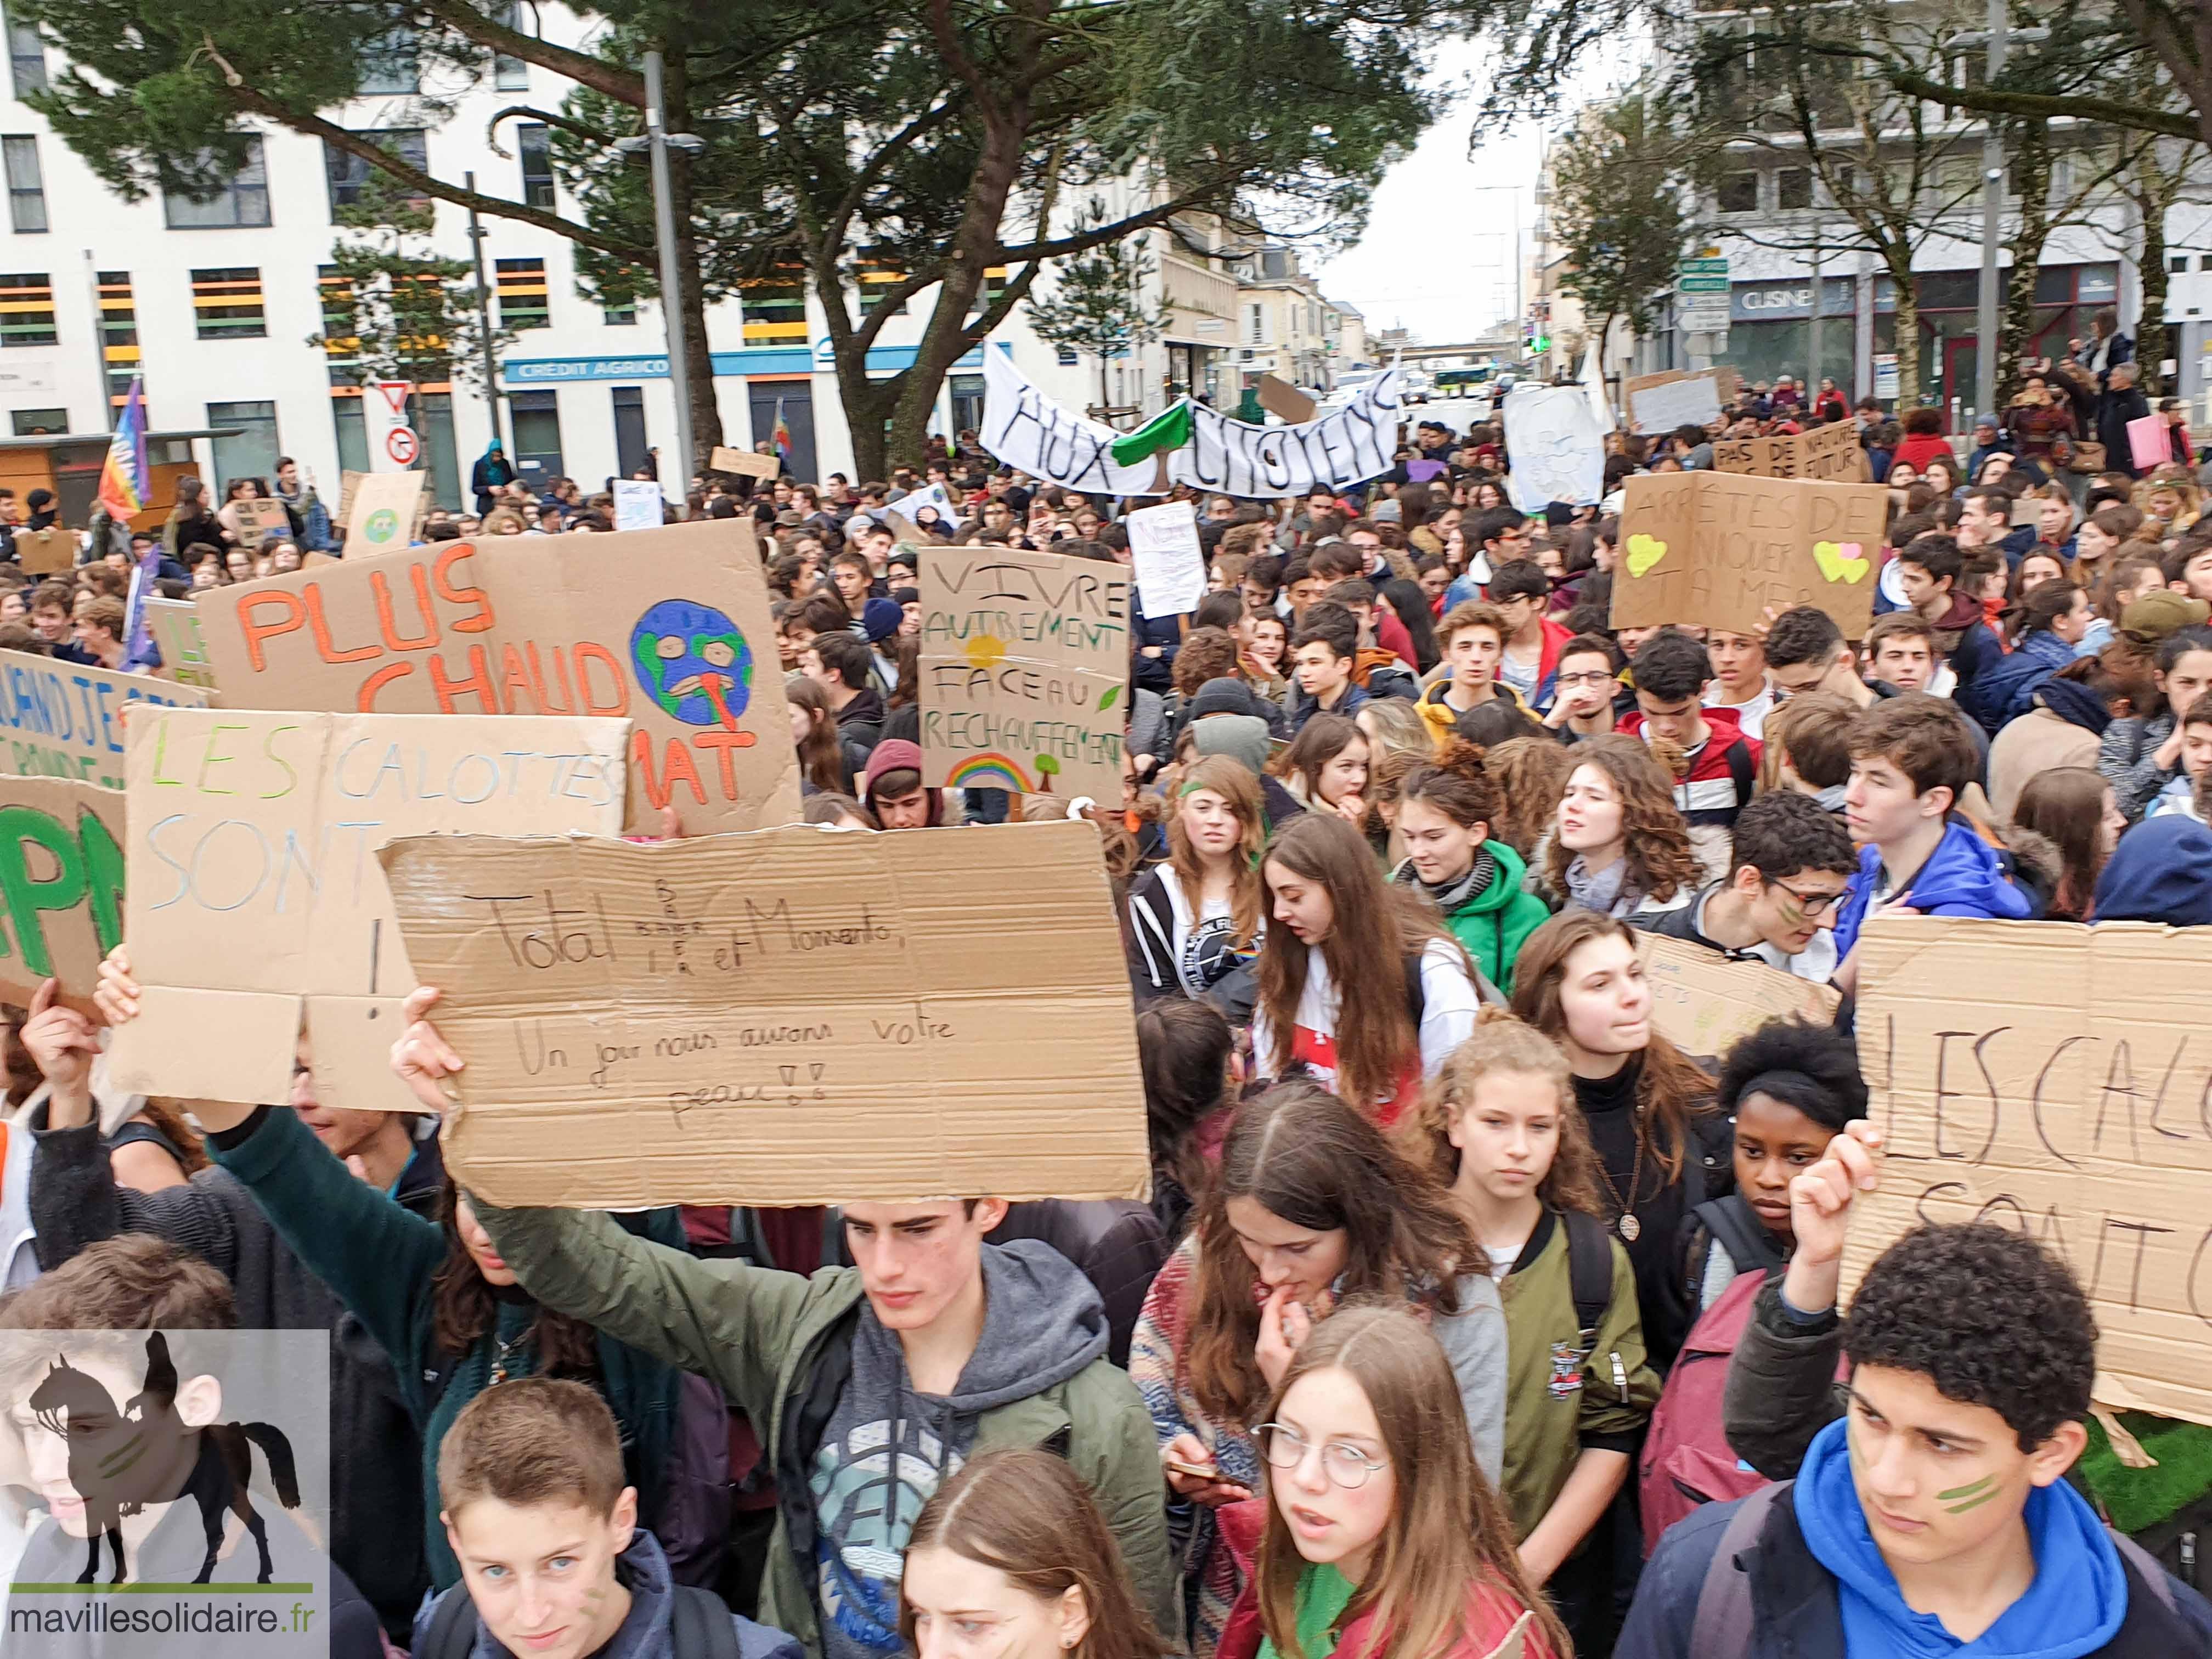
1933,1516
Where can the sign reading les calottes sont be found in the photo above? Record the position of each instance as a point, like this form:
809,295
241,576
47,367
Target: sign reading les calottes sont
669,628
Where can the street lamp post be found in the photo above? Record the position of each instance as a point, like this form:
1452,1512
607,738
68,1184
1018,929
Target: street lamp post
656,142
1993,165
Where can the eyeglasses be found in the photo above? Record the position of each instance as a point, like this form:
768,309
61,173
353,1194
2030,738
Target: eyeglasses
1348,1467
1810,905
1585,679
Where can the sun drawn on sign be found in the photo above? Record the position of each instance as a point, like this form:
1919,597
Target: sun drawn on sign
692,660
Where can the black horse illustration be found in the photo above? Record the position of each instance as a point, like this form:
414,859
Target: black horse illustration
71,1405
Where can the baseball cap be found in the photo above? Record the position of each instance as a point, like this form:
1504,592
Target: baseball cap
2157,615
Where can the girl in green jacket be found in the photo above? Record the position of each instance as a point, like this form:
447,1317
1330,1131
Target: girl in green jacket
1444,813
1500,1124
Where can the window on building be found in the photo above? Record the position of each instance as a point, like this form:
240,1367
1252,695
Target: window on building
340,344
348,174
27,188
391,65
243,200
1255,323
523,297
227,303
537,420
775,307
2177,262
1274,264
39,422
26,310
512,74
27,57
1793,189
252,451
876,276
534,139
630,441
118,334
1738,192
994,284
619,316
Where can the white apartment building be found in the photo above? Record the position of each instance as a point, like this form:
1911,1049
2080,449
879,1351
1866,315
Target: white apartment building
214,302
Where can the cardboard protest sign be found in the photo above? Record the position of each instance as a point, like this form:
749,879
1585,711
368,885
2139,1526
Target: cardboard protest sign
1719,549
175,624
1704,1003
1831,453
792,1016
2149,442
1558,449
381,516
1164,552
638,504
669,628
256,908
45,552
2053,1079
744,463
61,884
1285,401
62,721
1661,403
1024,671
259,514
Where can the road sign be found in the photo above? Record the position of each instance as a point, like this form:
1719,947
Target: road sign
392,445
1885,374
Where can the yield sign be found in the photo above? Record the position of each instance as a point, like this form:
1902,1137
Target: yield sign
395,394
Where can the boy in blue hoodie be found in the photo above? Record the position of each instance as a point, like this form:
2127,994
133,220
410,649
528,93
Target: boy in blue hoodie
1911,758
1933,1518
553,1562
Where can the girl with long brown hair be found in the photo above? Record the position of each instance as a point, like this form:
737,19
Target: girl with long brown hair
822,763
2072,806
1199,917
1310,1207
1620,846
1446,811
1500,1124
1359,982
1326,766
1009,1559
1383,1538
1662,1151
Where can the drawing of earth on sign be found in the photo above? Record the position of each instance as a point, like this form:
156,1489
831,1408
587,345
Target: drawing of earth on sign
692,660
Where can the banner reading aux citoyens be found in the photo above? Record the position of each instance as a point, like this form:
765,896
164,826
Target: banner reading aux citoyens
1026,429
1024,671
2055,1079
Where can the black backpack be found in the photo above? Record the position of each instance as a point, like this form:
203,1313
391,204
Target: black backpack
699,1626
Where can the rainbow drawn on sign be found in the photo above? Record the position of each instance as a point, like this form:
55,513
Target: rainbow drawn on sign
989,771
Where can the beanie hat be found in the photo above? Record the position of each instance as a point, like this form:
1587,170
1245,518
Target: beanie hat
880,619
1224,695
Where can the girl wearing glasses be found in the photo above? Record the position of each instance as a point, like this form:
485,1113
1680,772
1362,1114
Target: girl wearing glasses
1502,1127
1310,1207
1381,1536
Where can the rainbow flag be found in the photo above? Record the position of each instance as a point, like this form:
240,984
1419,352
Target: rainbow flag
781,437
125,480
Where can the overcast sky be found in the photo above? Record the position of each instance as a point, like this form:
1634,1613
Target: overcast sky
1438,257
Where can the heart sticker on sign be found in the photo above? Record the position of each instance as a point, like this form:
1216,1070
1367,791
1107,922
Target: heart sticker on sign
1840,562
1644,551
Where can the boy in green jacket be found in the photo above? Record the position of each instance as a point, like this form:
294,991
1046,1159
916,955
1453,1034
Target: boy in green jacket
875,1383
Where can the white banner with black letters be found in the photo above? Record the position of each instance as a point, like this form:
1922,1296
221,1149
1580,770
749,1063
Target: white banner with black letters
1028,431
1344,447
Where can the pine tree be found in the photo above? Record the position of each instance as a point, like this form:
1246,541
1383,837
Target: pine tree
399,311
1099,304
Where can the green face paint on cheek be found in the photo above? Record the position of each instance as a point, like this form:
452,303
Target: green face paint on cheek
1977,1494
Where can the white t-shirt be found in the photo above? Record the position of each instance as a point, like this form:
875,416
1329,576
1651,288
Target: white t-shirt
1751,716
1450,1002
